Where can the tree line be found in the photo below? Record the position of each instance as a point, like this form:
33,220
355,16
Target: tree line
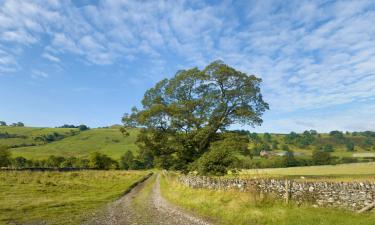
18,124
96,160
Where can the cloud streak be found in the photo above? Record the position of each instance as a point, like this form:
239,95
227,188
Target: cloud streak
310,54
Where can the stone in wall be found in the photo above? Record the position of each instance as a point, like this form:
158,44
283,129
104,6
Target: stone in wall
348,195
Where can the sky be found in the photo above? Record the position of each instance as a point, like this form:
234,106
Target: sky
88,62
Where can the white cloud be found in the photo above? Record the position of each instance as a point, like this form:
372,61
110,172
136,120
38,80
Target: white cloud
37,74
310,54
50,57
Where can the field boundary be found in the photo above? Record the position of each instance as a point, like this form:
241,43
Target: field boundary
348,195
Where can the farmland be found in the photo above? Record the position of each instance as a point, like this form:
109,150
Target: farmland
341,171
59,198
108,141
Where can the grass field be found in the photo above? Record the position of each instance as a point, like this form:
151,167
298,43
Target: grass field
352,170
231,207
26,135
108,141
59,197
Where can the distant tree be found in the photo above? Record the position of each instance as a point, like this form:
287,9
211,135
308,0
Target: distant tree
19,162
321,157
267,137
337,136
289,160
328,148
70,162
18,124
127,160
254,137
54,161
275,145
83,127
367,143
3,124
68,126
350,146
101,161
285,147
5,156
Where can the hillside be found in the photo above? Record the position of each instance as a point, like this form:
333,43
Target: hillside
108,141
40,143
31,136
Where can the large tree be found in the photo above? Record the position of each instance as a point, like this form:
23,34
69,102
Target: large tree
181,116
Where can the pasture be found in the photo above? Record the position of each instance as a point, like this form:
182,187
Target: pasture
108,141
59,197
342,171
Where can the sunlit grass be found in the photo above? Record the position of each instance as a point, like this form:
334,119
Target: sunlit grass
342,171
108,141
59,197
232,207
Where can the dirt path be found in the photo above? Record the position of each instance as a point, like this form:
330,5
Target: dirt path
144,205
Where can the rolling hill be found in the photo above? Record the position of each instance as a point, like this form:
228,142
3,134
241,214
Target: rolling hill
109,141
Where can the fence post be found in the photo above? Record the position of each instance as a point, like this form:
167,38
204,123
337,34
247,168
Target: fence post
287,191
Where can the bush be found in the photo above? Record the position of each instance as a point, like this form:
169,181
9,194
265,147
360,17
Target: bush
321,157
83,127
127,160
20,162
101,161
5,156
215,162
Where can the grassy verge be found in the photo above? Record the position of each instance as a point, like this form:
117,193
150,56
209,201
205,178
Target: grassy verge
59,197
232,207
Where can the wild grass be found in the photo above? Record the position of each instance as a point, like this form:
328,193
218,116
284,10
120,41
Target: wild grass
232,207
352,171
59,197
108,141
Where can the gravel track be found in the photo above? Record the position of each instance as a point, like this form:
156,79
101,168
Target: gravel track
144,205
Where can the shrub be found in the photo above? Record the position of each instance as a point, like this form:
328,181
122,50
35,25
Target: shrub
127,160
216,161
5,156
321,157
101,161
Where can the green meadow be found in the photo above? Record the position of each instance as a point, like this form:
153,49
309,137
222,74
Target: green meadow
109,141
59,197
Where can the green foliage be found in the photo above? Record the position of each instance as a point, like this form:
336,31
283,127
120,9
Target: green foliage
285,148
127,160
183,115
20,162
289,160
101,161
3,124
349,146
321,157
5,156
216,161
83,127
18,124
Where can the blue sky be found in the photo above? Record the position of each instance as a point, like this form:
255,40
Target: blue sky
91,61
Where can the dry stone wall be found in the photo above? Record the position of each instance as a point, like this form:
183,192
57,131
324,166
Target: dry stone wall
349,195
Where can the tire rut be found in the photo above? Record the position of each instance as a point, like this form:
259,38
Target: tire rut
144,205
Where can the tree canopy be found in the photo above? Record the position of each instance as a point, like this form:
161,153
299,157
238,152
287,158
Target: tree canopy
181,116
